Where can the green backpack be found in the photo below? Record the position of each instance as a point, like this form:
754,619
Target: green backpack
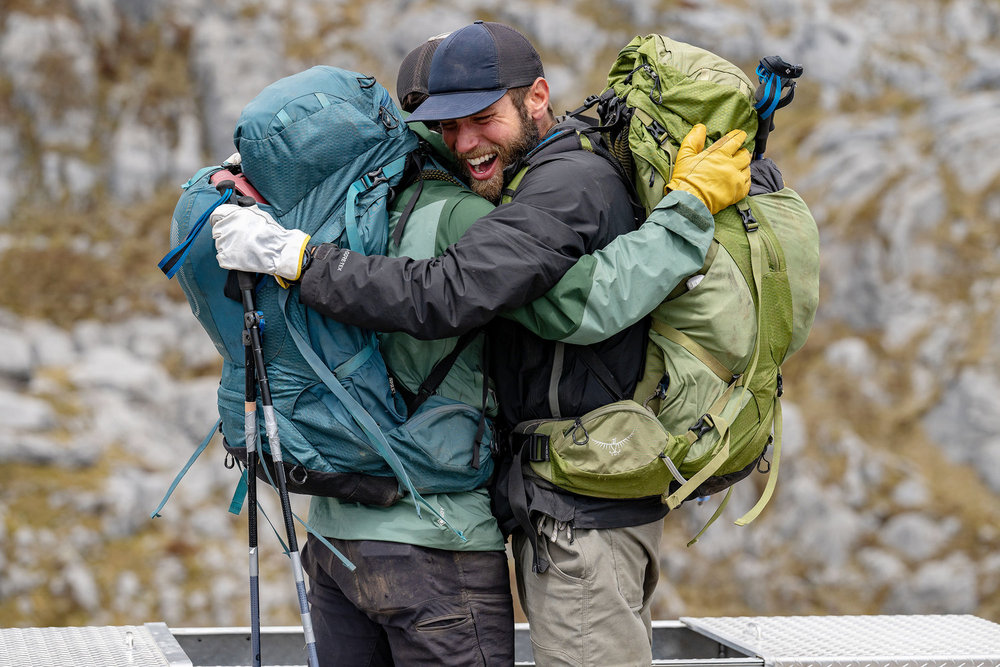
702,416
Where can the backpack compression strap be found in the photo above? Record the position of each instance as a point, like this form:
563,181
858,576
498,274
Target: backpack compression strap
713,414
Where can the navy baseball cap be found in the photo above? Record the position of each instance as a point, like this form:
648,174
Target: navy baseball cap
474,67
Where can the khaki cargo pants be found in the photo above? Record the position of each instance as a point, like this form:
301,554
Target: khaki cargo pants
591,607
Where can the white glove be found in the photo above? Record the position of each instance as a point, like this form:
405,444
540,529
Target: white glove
248,239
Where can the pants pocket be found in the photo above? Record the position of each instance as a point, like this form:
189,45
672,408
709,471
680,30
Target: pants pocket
568,560
439,623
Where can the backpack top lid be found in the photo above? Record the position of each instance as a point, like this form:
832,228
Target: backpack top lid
680,85
305,138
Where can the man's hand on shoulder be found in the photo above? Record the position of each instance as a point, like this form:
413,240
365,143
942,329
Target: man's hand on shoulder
719,176
249,239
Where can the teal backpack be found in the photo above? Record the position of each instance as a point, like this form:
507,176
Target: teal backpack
707,406
321,151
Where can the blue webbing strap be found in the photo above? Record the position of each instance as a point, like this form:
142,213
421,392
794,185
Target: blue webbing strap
325,542
239,496
172,261
187,466
363,184
350,366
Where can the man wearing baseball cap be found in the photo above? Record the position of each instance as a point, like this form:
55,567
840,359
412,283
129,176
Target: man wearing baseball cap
586,567
472,71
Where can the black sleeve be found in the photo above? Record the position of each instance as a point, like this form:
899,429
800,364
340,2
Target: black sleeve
505,259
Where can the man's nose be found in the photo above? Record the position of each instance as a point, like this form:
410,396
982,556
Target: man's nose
466,138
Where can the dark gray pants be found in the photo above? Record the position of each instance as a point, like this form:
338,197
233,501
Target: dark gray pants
409,605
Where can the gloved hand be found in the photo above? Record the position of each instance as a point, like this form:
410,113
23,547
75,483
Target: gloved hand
248,239
719,176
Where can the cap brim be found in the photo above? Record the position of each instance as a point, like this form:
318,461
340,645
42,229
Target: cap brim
445,106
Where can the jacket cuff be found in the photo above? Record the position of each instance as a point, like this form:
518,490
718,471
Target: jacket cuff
690,207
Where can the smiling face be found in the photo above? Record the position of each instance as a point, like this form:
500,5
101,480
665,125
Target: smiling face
498,136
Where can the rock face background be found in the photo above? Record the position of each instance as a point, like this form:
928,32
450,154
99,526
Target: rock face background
890,477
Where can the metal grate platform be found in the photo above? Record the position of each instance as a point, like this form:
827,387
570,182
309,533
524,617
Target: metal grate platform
745,641
859,641
150,645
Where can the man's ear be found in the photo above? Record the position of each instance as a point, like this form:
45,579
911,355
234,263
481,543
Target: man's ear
537,100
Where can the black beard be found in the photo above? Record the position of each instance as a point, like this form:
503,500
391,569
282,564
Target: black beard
526,140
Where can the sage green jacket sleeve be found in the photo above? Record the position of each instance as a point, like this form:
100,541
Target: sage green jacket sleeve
617,286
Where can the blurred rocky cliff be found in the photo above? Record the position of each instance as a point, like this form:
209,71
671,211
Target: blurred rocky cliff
889,493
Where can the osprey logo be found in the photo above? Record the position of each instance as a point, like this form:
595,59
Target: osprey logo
615,446
343,259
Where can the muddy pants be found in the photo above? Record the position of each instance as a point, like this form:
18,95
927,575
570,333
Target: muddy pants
409,605
591,607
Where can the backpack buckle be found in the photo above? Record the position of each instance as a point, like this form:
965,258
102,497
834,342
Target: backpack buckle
538,448
374,178
746,215
703,425
657,131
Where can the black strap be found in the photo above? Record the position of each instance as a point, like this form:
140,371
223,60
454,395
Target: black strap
602,373
440,371
412,171
481,429
397,233
517,496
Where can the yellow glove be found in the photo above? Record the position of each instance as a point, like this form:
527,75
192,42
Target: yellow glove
719,176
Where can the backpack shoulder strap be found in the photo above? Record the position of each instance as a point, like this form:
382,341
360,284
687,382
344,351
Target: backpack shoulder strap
529,162
440,371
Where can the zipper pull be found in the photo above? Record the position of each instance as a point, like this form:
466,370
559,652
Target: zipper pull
577,424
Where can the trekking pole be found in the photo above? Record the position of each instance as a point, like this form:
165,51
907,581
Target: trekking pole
252,320
250,431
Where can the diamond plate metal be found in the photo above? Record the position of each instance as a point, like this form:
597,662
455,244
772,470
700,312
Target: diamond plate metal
859,641
109,646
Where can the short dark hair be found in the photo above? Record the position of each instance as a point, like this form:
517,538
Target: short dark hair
411,101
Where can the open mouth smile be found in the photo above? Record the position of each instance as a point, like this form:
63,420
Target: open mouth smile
481,168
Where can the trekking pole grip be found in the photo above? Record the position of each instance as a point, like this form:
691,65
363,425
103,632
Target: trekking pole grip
246,281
